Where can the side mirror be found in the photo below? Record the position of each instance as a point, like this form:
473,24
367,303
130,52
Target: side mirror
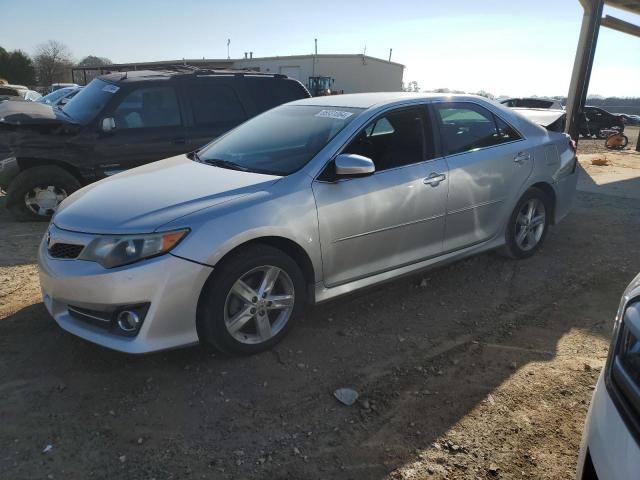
108,124
64,101
352,165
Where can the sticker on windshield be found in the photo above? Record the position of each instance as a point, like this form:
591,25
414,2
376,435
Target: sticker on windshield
338,114
110,88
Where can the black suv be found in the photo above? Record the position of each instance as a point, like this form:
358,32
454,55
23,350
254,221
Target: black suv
120,121
597,121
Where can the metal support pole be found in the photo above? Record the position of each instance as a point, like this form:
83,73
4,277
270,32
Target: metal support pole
583,63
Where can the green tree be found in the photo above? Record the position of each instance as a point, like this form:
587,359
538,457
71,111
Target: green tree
16,67
411,87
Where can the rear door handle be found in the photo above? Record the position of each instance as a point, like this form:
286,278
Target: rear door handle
434,179
521,157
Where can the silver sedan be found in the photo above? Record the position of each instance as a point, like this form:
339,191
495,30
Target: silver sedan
308,201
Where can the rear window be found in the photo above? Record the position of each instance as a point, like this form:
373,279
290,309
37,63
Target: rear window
269,92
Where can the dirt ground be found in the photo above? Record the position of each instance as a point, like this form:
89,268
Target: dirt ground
481,369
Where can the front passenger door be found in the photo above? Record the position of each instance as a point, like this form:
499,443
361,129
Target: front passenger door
392,218
148,127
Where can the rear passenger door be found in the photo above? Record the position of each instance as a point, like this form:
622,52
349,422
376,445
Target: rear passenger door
215,108
488,162
267,92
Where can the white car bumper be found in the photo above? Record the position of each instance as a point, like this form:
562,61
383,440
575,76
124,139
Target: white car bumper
613,450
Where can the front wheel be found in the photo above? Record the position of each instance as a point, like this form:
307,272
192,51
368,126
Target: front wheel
251,301
528,224
34,194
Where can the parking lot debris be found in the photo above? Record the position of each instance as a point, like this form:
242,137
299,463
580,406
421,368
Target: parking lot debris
47,449
600,161
122,458
493,469
346,396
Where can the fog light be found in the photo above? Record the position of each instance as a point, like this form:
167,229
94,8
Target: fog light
128,321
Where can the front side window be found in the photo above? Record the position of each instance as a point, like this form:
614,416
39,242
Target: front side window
466,126
279,141
148,108
394,140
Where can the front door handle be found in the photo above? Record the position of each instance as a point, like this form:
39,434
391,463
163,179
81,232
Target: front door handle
521,157
434,179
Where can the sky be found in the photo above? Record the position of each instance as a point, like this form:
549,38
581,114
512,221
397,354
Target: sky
506,47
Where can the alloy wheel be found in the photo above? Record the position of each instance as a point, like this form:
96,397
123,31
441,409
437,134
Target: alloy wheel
259,305
530,224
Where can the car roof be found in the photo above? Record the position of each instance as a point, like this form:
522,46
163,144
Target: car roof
168,74
369,100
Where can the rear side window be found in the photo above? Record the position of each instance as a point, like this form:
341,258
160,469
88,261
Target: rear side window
394,140
269,92
148,108
215,104
466,126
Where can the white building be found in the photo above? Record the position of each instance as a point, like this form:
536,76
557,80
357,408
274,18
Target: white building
351,73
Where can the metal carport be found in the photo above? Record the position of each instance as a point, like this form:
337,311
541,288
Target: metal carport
591,21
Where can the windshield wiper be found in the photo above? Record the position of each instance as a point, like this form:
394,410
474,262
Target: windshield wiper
222,163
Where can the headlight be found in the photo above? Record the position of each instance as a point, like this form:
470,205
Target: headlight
115,251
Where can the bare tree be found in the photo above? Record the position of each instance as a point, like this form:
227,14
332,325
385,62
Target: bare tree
93,61
53,63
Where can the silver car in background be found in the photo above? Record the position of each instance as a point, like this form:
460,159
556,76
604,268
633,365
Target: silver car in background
308,201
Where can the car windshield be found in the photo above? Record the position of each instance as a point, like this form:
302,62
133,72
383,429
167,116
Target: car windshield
280,141
54,96
90,101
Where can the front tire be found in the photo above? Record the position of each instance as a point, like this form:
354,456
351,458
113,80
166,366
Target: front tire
35,193
251,301
528,224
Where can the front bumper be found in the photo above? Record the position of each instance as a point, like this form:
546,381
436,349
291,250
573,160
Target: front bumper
8,170
614,452
170,285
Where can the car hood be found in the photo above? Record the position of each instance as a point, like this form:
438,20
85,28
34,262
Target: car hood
31,113
145,198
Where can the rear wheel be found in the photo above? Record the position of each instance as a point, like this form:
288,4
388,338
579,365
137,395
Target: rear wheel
528,224
34,194
251,301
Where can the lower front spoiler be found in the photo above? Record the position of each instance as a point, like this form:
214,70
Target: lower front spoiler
170,285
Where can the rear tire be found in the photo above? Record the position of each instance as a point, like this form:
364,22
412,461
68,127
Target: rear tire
528,225
238,313
34,194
